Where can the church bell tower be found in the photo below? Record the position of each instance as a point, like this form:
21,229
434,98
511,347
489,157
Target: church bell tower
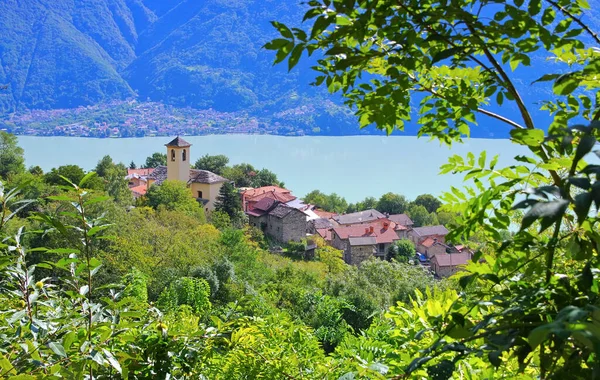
178,160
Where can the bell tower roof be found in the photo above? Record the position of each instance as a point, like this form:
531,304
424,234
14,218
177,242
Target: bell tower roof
178,142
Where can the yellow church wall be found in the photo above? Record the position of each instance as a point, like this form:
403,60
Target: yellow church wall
209,192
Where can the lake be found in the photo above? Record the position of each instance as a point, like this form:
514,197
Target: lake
352,166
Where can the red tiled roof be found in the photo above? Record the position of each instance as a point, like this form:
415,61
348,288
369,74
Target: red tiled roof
451,259
428,242
264,204
281,197
265,189
325,233
324,214
139,190
381,234
140,172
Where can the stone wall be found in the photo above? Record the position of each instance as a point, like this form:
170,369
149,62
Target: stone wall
343,245
436,249
360,253
292,227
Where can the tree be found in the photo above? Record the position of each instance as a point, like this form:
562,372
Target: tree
229,202
402,250
175,195
36,170
73,172
215,164
220,220
428,201
455,60
113,177
11,155
132,165
419,215
392,203
316,197
241,174
156,159
265,177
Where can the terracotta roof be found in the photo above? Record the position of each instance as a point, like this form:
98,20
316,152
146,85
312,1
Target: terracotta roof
451,259
281,197
196,176
262,207
359,217
362,241
325,233
325,214
401,219
381,234
265,189
178,142
428,242
265,204
140,172
139,190
431,230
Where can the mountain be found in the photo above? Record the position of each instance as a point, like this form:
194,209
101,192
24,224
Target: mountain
58,54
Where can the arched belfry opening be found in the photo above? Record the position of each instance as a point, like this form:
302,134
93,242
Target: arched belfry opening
183,155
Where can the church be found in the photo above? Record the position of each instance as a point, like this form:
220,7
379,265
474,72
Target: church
203,184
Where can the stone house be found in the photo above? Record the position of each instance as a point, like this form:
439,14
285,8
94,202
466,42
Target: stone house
203,184
420,234
361,241
431,247
401,219
277,220
445,265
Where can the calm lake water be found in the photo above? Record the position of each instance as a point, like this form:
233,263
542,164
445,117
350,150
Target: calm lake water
352,166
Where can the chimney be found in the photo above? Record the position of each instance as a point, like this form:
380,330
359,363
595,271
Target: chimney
385,225
367,231
371,229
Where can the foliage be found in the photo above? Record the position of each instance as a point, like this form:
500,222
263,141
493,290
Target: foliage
11,155
174,195
229,202
402,250
328,202
428,201
135,283
156,159
528,303
420,217
113,176
332,258
193,292
215,164
392,203
220,219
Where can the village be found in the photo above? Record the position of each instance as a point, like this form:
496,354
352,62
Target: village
285,218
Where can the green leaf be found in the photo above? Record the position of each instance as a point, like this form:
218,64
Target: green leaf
538,335
566,83
86,178
546,78
295,56
58,349
321,23
447,53
284,30
534,7
495,358
529,137
275,44
584,147
549,212
583,202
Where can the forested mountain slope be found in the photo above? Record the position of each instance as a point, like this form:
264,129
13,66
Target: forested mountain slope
188,53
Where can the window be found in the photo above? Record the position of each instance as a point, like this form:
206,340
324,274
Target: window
381,247
172,154
183,154
199,194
